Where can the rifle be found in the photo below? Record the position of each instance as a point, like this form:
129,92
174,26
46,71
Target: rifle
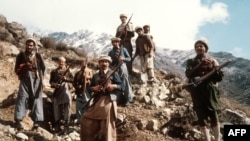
60,80
95,96
133,58
125,28
196,81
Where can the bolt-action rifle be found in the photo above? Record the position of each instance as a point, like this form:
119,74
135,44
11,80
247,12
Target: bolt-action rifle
104,84
125,29
196,81
60,81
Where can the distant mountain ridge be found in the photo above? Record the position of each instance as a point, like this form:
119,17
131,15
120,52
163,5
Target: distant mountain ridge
236,73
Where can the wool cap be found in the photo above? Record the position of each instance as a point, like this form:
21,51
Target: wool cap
123,15
62,59
138,28
115,39
105,57
203,42
145,26
31,39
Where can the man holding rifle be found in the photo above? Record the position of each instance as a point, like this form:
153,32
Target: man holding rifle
125,31
62,99
30,69
205,95
120,55
98,121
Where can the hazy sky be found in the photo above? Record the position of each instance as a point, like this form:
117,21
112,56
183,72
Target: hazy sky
175,24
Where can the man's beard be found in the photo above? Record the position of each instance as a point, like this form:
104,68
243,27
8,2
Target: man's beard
104,67
29,50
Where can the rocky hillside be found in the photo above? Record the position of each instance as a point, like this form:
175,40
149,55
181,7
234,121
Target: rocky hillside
173,61
155,114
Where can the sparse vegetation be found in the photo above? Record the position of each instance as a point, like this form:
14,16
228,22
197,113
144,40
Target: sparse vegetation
62,46
48,42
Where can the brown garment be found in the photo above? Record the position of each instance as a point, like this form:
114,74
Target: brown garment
29,62
82,78
143,42
99,121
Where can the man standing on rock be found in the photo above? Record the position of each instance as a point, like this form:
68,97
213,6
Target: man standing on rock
98,121
30,69
145,49
146,30
62,98
81,81
205,96
121,55
125,31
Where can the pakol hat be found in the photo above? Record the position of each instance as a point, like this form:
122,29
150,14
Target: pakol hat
115,39
138,28
203,42
105,57
123,15
62,59
145,26
32,40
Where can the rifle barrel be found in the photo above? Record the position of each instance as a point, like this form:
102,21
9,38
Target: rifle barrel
199,80
93,95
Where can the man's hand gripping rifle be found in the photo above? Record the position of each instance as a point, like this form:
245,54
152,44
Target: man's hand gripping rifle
196,81
124,31
95,95
61,78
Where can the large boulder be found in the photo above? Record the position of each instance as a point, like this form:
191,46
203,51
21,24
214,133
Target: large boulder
3,20
18,30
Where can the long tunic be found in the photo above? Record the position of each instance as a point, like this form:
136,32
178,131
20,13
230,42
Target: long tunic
62,99
98,121
30,87
205,96
123,73
126,40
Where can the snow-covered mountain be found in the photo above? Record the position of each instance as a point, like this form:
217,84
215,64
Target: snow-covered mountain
173,61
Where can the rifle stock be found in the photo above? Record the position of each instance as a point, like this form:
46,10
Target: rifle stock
197,81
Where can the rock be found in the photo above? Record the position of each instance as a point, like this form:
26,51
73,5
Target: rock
22,136
152,125
142,124
45,133
3,20
17,29
74,136
235,117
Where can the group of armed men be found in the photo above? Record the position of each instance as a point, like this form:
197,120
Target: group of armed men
99,93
